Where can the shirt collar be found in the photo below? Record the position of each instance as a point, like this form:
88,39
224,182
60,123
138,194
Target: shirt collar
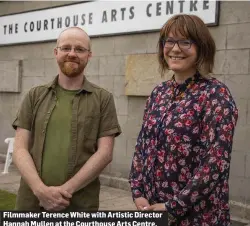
86,86
195,77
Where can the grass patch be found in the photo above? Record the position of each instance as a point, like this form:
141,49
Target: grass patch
7,200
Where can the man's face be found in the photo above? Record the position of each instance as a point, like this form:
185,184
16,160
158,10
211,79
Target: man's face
72,52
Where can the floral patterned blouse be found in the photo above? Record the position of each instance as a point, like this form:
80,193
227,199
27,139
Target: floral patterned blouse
183,151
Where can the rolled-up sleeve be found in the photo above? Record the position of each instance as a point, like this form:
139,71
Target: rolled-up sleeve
24,117
109,124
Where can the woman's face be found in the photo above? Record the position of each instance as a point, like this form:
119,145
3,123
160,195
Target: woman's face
180,58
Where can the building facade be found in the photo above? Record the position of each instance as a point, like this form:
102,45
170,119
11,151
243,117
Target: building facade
125,64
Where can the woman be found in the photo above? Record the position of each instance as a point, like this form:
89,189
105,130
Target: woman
182,158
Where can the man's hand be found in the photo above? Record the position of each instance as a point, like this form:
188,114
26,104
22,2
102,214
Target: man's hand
141,203
157,207
53,198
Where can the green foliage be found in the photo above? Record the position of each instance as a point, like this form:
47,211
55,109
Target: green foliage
7,200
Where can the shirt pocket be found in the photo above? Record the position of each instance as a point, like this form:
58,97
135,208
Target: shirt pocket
89,126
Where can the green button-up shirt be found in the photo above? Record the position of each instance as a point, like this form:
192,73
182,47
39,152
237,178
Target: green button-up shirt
93,116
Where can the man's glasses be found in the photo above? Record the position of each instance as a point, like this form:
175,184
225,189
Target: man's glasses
67,49
183,44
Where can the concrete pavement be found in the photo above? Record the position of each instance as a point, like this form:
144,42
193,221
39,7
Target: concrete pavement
110,198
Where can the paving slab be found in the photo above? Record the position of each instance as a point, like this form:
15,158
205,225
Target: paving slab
110,198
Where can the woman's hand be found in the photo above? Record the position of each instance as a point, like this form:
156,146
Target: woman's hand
141,203
157,207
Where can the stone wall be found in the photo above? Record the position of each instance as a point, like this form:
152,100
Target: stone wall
115,60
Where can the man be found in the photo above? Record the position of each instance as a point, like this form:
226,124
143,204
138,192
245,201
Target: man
65,134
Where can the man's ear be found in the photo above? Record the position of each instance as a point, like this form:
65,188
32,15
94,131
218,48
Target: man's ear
55,51
90,54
